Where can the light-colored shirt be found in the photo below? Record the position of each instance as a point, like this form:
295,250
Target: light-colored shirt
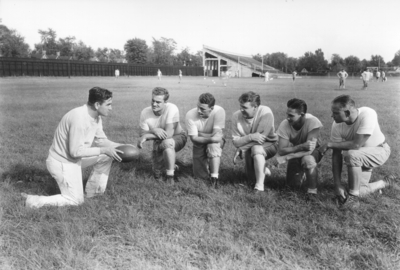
170,115
366,75
366,123
342,74
196,124
296,137
75,135
378,74
263,122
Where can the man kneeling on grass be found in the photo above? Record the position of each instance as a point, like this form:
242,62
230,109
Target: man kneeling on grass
253,133
72,150
357,139
205,126
160,123
298,145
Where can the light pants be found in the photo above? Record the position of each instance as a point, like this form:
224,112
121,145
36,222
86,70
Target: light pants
69,180
201,155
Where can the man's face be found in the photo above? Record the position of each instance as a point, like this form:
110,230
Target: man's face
293,116
248,111
104,108
338,113
204,110
157,103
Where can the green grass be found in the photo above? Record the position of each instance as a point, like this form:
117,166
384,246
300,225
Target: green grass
141,224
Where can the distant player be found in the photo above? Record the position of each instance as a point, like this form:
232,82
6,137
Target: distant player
294,74
298,146
116,73
180,76
226,77
79,142
365,77
266,76
205,126
342,75
159,74
253,134
383,76
356,139
160,123
377,75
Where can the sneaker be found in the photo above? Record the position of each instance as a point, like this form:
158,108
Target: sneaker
338,200
312,198
157,175
352,202
214,182
257,192
390,180
170,180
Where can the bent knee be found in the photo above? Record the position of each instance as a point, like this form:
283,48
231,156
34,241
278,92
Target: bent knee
308,162
214,150
352,158
257,150
167,143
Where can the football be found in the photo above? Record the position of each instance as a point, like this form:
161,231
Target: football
131,152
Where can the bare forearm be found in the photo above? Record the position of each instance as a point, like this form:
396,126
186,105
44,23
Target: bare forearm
348,145
296,155
291,150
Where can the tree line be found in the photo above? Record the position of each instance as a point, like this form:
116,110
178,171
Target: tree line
163,51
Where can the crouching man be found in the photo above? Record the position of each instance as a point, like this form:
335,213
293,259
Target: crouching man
72,150
253,133
205,126
160,123
357,139
298,146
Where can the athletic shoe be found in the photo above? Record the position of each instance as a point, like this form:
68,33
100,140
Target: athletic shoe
214,182
338,200
157,175
352,202
390,180
257,192
170,180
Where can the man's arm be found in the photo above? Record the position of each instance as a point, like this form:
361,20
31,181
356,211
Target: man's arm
285,148
359,141
206,138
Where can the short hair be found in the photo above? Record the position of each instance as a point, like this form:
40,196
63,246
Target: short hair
250,97
159,91
98,94
208,99
297,104
344,101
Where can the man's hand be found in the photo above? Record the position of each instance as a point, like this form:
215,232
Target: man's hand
239,153
309,145
277,160
160,133
112,152
323,148
258,138
140,143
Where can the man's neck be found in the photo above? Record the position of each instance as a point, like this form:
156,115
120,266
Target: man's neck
92,112
353,117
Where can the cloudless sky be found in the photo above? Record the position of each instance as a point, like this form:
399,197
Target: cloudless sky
346,27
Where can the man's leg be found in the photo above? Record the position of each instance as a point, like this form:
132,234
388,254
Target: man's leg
169,147
294,173
258,154
214,152
97,182
200,162
69,179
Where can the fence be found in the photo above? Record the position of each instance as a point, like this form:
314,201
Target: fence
65,68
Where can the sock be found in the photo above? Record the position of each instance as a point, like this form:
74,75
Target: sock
354,192
312,190
214,175
170,172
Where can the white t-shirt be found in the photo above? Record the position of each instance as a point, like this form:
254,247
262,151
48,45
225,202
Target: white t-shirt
343,74
366,123
296,137
75,135
365,75
170,115
196,124
378,74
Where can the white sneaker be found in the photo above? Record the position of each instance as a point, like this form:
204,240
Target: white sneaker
267,172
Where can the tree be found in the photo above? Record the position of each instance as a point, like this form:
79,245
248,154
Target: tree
116,55
66,46
337,62
163,51
376,61
12,44
83,52
353,63
103,54
313,62
136,51
48,42
396,59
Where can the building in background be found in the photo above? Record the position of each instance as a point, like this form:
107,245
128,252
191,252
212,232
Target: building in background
217,62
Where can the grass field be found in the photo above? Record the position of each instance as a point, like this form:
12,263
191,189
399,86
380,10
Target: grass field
142,224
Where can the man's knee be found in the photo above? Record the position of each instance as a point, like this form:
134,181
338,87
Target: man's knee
214,150
352,158
308,162
167,144
257,150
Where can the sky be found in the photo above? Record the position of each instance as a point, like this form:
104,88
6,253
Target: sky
346,27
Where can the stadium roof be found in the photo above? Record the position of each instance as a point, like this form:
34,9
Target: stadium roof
243,59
